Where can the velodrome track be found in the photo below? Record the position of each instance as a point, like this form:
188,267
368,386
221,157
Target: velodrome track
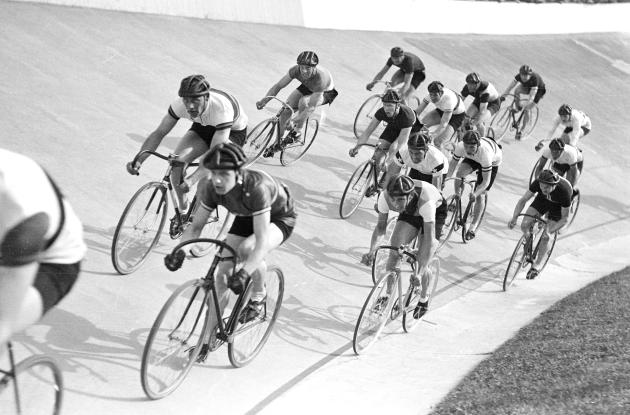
80,89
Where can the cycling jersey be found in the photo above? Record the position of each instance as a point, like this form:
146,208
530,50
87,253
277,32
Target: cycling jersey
26,190
577,120
488,154
434,162
320,81
485,92
534,80
423,202
410,63
404,118
222,111
449,101
561,195
569,156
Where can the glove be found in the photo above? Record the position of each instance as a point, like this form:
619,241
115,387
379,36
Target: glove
174,261
133,169
261,104
539,146
353,152
237,281
369,86
367,259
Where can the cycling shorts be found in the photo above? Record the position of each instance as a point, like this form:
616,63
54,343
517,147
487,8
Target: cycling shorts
417,222
206,133
54,282
476,167
456,119
586,130
542,205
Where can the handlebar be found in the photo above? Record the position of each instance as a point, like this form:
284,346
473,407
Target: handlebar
170,158
537,218
283,103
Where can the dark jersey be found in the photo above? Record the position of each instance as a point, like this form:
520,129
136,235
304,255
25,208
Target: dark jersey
410,63
485,92
561,195
534,80
405,118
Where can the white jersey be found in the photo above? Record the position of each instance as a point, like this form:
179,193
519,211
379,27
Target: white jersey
488,154
577,120
428,201
25,190
434,163
222,111
449,101
570,155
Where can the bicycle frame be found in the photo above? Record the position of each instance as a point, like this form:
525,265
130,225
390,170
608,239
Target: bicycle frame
10,375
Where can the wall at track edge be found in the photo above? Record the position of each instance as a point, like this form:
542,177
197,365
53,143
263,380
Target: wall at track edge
416,16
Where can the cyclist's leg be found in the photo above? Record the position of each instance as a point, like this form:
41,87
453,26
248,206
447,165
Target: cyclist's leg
464,169
403,234
431,119
417,78
193,144
520,89
20,303
397,78
480,201
293,101
306,107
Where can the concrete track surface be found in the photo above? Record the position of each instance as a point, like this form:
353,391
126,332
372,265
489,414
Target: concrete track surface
80,89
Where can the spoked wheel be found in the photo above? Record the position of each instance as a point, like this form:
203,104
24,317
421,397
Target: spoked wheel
40,388
550,245
575,204
295,151
451,220
258,140
411,315
366,114
501,122
531,175
518,262
175,340
532,120
375,313
355,189
469,214
216,228
249,337
139,227
490,133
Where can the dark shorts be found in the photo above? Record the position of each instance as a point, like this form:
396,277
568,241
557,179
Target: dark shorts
543,205
476,167
244,225
417,78
206,132
539,94
456,119
570,129
54,281
564,168
493,106
329,96
417,222
417,175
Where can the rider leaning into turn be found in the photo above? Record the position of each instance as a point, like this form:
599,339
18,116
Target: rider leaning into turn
449,112
553,197
575,122
527,82
316,88
566,160
410,72
485,104
483,156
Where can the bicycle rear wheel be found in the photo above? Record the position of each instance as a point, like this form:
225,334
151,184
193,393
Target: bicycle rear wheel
532,120
412,298
40,386
451,219
366,114
501,123
355,189
175,340
518,261
258,140
250,337
139,227
295,151
374,314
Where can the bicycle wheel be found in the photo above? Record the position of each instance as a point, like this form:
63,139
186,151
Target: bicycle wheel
251,336
409,321
139,227
550,246
258,140
501,123
40,386
295,151
467,219
451,220
575,205
532,120
366,114
175,340
374,314
531,175
518,261
355,189
216,228
490,133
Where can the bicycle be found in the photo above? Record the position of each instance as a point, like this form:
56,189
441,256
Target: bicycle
359,186
448,146
506,120
269,131
526,251
140,225
39,375
181,335
382,306
456,219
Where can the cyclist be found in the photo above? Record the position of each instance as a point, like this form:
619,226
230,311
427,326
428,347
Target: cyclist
217,118
449,112
567,160
401,121
483,156
529,83
575,122
553,197
265,218
41,244
485,104
316,88
411,72
422,214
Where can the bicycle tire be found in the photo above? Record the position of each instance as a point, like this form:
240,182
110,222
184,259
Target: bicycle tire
552,244
128,256
258,139
573,209
451,219
372,318
381,255
357,184
531,175
469,214
501,123
215,228
516,263
409,322
490,134
294,152
532,121
36,377
191,297
250,337
365,114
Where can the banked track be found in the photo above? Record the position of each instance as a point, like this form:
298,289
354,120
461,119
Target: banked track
81,88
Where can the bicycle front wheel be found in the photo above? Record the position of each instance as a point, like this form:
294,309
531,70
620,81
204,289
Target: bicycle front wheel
501,122
139,227
40,388
216,228
532,120
575,204
258,140
365,115
295,151
469,215
249,337
550,245
451,218
410,317
355,190
175,340
518,261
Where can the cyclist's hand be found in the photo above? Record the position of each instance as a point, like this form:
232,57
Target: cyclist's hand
236,281
502,98
370,85
512,223
353,151
174,261
133,169
539,146
367,259
261,104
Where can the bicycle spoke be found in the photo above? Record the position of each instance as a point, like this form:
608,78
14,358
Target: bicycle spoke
374,315
355,190
295,151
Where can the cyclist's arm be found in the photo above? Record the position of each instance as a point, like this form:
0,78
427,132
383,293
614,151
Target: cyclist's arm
262,224
406,84
400,141
365,135
427,246
573,174
539,166
446,117
379,232
278,86
421,107
451,167
155,138
532,94
509,88
521,204
574,136
554,127
556,226
485,181
380,74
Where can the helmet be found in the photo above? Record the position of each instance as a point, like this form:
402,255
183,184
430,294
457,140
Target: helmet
471,137
556,144
308,58
225,156
194,86
548,177
472,78
436,87
396,52
565,109
525,70
400,186
419,141
391,96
